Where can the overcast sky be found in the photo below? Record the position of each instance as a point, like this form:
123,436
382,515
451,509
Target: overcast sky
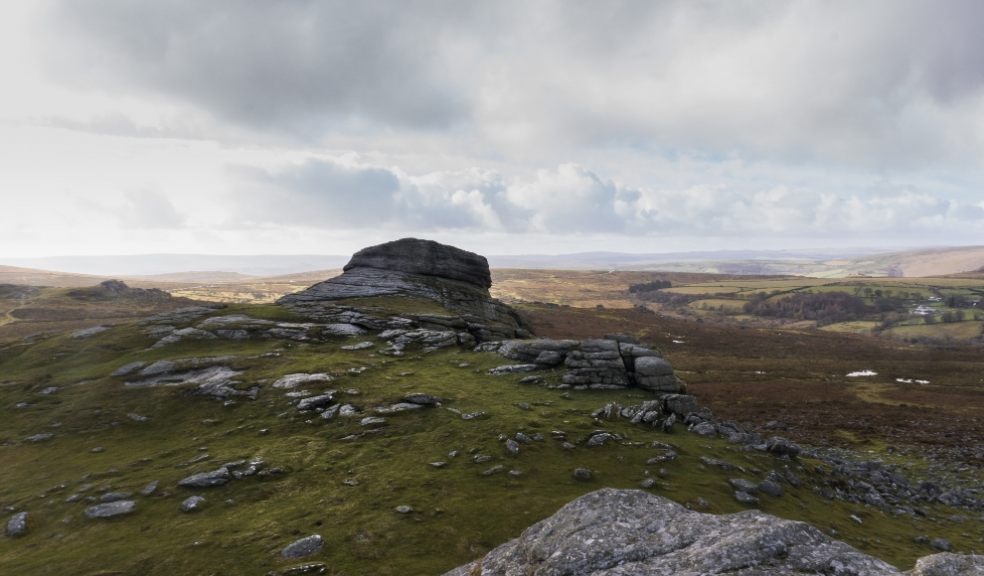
245,127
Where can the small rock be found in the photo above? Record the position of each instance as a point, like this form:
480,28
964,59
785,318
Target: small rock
583,474
941,544
42,437
512,447
305,570
192,504
704,429
114,496
150,488
110,509
422,399
206,479
439,464
745,497
742,485
493,470
359,346
303,547
372,421
17,525
771,488
648,483
403,509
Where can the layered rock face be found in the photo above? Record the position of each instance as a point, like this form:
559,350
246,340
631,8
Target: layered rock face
456,279
631,532
427,258
596,363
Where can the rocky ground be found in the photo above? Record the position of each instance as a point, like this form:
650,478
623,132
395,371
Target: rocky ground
388,434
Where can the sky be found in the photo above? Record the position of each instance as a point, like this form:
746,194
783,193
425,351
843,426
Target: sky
507,127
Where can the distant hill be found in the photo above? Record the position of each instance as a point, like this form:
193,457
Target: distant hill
172,270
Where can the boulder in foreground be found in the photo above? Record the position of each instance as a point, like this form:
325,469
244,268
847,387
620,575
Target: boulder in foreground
631,532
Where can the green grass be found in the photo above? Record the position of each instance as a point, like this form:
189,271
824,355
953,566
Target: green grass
459,514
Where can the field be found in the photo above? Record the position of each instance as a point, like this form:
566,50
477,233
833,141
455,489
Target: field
343,481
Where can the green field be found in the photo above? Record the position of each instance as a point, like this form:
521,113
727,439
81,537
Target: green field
339,479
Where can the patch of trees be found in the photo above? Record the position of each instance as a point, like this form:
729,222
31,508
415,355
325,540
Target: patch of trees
649,286
823,307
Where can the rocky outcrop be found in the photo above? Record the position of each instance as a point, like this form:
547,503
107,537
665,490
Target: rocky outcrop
456,280
427,258
613,362
117,289
631,532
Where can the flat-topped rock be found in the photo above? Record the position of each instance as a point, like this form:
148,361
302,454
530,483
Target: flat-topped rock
456,280
425,257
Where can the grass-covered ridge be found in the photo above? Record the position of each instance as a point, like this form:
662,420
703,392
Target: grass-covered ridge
340,480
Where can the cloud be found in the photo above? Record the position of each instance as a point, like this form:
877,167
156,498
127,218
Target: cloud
880,83
288,66
571,200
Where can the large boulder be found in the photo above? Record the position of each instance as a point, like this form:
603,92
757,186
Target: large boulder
631,532
425,257
457,280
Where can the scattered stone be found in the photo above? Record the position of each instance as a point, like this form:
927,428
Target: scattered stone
745,497
403,509
192,504
512,447
498,468
743,485
42,437
110,509
422,399
330,412
216,477
770,487
295,380
17,525
782,447
137,417
304,547
513,369
370,421
706,429
348,411
397,408
314,402
531,380
941,544
49,390
473,415
114,496
583,474
439,464
648,483
150,488
359,346
305,570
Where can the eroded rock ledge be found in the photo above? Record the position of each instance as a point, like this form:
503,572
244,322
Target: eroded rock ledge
611,362
631,532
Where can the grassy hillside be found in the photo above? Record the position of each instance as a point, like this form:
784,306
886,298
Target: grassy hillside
338,478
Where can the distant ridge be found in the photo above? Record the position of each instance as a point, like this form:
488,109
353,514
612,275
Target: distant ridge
203,268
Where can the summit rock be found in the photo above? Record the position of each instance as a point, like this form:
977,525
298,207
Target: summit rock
425,257
456,280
